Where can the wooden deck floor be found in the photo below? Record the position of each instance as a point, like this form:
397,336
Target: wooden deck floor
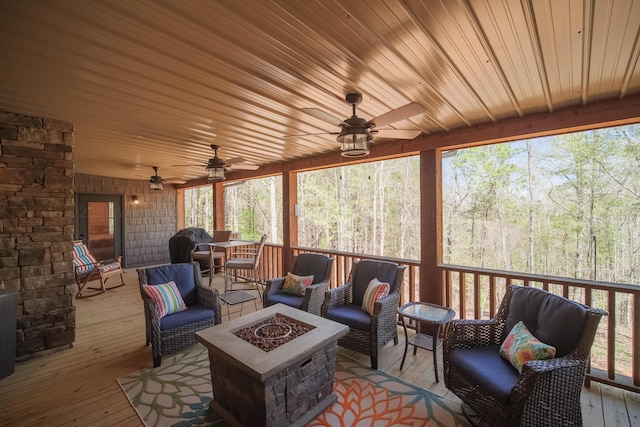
77,386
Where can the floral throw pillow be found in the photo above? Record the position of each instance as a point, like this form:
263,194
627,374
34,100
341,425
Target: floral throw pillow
375,291
295,285
167,297
521,346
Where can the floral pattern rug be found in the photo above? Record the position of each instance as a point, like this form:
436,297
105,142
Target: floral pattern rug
178,394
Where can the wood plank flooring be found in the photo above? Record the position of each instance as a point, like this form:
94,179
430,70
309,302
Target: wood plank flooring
77,386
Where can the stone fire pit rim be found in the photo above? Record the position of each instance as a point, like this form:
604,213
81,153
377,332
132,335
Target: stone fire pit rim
258,363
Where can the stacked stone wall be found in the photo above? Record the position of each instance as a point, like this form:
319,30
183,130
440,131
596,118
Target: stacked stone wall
36,229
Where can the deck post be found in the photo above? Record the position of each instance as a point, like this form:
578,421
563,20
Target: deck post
431,287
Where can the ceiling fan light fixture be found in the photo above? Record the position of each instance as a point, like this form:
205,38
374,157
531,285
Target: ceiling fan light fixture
355,142
216,166
155,182
216,174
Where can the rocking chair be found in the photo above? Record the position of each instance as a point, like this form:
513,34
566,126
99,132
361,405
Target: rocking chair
86,268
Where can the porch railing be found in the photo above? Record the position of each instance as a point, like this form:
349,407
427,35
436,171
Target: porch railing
476,293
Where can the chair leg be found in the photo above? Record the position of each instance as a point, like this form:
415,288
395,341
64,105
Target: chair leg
256,279
157,360
374,362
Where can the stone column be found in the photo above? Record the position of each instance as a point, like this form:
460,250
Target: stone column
36,229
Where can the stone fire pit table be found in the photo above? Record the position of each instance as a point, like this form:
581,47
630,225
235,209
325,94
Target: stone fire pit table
286,386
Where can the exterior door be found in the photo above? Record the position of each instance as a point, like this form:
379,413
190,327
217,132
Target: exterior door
99,224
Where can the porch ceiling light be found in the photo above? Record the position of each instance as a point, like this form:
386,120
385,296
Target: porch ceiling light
355,137
155,182
216,166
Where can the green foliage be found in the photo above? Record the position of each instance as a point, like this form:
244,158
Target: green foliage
570,207
564,206
369,208
254,207
198,207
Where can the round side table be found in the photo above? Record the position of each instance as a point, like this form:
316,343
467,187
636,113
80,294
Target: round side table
431,314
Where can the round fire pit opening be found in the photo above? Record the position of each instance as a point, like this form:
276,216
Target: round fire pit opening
272,331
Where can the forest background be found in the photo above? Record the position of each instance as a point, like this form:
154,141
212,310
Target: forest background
563,206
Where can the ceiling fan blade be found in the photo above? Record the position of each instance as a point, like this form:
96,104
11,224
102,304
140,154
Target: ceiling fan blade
241,166
174,181
188,166
398,114
310,134
323,115
397,133
235,160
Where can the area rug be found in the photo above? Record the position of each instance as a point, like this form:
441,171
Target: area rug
178,394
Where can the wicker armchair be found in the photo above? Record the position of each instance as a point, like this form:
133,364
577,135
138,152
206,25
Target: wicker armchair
368,334
547,392
176,331
305,264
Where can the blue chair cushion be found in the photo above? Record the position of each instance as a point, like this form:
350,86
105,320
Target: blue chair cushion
484,366
193,313
182,274
311,265
366,271
351,315
543,313
287,299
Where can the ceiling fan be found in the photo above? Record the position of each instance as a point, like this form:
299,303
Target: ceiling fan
216,166
356,133
155,182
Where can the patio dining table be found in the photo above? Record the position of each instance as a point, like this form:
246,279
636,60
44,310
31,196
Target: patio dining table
228,245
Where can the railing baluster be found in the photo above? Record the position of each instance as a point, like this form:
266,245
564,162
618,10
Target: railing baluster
477,297
635,340
611,336
463,295
492,295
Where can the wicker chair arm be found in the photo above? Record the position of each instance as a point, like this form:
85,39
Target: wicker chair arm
320,285
314,296
210,298
335,297
472,333
273,286
386,306
551,378
316,290
152,311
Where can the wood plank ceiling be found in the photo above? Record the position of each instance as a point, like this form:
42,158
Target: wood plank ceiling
156,82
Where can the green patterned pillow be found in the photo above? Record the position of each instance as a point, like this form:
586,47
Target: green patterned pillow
521,346
296,285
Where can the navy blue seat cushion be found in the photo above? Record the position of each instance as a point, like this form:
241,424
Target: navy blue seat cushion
552,319
287,299
351,315
182,274
484,366
193,313
366,271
